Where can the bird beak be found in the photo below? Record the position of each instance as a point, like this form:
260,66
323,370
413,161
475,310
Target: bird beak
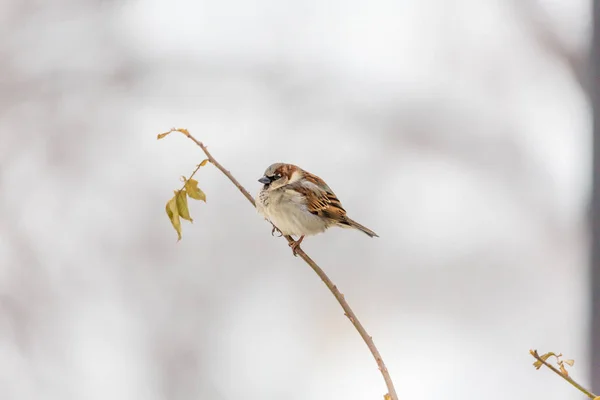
264,180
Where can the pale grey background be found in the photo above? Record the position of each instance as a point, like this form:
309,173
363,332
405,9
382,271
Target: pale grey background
457,130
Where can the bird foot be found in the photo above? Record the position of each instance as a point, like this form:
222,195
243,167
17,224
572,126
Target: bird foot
275,229
294,246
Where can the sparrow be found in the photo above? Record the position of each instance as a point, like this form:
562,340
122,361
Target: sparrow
301,204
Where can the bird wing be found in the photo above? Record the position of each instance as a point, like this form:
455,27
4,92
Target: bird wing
320,199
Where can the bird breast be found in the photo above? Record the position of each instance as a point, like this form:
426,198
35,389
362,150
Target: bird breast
287,210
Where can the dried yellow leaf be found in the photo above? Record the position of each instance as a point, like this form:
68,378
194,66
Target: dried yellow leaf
162,135
173,215
548,355
538,364
191,185
203,163
182,205
569,362
387,397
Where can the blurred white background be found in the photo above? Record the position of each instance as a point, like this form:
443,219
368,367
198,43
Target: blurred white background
459,131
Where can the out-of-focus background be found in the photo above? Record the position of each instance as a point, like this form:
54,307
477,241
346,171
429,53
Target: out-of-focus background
458,130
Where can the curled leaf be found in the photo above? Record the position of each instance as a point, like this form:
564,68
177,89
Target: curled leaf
547,356
538,364
173,214
182,205
191,185
162,135
203,163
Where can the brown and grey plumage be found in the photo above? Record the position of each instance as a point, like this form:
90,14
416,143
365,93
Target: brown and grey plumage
300,203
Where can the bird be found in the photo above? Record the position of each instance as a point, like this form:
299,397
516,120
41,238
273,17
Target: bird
301,204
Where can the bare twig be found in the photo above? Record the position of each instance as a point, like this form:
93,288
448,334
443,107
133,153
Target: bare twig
184,179
589,394
334,290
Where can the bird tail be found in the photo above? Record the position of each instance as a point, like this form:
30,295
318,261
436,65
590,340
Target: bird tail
351,223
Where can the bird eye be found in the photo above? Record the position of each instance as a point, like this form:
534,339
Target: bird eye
276,176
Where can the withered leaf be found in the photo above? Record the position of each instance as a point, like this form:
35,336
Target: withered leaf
191,185
548,355
182,205
538,364
173,214
162,135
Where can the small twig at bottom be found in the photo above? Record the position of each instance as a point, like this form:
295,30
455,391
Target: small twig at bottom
567,378
391,395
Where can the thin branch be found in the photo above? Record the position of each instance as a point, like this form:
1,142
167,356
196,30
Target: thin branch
184,179
334,290
589,394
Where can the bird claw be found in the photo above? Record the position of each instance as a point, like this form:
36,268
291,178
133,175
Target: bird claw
275,229
295,245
